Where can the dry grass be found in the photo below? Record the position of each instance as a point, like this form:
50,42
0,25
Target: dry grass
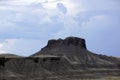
106,78
113,78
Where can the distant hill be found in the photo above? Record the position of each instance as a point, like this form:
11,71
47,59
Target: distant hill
8,55
75,51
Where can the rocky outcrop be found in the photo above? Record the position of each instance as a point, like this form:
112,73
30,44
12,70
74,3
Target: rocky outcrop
75,51
75,41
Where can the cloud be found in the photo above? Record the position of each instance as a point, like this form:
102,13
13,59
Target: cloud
93,22
1,45
62,8
29,21
101,33
6,46
71,28
21,46
16,2
101,5
32,21
1,48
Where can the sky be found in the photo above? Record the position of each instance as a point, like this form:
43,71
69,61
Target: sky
27,25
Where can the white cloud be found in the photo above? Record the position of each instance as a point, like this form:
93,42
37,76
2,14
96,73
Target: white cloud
101,5
21,46
73,7
94,21
16,2
7,46
25,21
1,48
71,28
1,45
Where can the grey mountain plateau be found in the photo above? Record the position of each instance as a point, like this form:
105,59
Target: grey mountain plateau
62,59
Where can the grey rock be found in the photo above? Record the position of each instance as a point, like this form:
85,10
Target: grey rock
62,59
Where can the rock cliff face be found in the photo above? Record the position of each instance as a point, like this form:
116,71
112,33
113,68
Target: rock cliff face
70,41
57,60
75,51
